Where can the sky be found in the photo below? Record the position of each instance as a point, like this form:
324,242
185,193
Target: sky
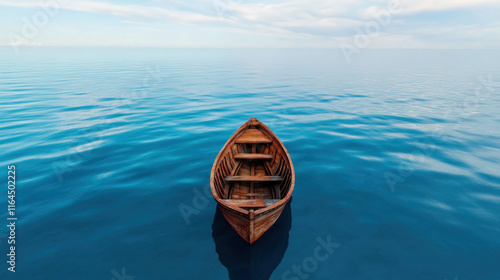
422,24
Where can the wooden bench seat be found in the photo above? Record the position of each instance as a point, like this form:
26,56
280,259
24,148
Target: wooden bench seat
254,178
253,136
253,156
250,203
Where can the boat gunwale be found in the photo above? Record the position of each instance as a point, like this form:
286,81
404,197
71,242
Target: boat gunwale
231,141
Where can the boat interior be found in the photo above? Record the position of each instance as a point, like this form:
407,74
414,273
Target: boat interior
253,172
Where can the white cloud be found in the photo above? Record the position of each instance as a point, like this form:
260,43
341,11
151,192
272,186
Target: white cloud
299,20
314,17
25,43
409,7
126,11
415,6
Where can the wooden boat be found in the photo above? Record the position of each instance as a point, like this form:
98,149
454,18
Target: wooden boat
252,179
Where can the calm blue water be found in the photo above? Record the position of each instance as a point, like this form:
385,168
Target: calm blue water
396,158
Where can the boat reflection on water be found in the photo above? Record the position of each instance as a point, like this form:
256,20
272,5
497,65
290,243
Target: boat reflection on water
251,262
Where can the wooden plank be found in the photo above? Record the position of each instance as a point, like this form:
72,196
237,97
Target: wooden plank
257,194
245,202
254,178
253,136
252,173
227,190
268,168
277,193
250,203
253,156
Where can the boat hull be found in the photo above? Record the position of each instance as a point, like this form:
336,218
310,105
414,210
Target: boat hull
251,229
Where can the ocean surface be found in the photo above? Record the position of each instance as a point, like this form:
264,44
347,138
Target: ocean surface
396,154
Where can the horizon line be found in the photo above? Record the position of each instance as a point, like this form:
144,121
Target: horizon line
226,47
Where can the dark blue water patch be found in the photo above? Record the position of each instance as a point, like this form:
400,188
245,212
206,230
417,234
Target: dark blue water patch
257,261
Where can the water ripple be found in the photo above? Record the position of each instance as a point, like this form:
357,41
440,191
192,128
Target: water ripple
104,160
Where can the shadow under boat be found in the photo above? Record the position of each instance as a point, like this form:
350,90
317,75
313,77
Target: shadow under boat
251,262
